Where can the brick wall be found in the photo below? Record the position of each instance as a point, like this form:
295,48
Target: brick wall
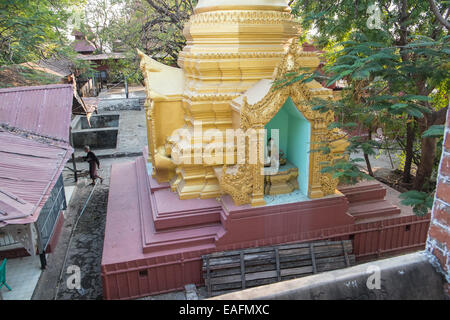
438,242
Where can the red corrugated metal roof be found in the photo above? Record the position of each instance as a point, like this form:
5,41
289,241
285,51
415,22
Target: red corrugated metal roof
83,45
34,148
42,110
28,171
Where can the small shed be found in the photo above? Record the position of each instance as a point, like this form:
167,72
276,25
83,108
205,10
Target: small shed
34,148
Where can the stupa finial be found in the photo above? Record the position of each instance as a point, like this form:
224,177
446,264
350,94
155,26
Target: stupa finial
211,5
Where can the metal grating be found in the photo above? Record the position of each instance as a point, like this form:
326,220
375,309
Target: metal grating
50,213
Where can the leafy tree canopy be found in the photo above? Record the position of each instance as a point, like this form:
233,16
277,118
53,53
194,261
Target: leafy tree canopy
393,56
34,29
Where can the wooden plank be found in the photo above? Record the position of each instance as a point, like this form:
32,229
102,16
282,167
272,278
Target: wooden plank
321,249
338,263
237,271
270,249
261,275
287,274
313,258
277,259
283,249
237,285
208,277
347,261
265,258
297,271
248,277
283,265
227,286
242,270
283,252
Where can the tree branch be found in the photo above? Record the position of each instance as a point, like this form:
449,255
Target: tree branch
438,14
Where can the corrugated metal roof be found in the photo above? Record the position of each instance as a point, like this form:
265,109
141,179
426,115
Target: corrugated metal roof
34,148
28,171
59,67
83,45
42,110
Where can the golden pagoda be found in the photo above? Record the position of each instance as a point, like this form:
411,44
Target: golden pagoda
225,80
199,190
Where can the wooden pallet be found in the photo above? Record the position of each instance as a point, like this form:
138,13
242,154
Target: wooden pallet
229,271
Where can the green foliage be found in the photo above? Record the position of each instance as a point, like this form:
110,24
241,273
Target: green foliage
401,157
421,202
155,27
33,29
128,68
395,75
435,131
347,172
440,98
303,75
17,75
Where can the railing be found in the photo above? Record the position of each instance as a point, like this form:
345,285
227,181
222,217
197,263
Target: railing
6,240
50,213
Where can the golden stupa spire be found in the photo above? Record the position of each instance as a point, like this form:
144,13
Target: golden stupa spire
210,5
230,46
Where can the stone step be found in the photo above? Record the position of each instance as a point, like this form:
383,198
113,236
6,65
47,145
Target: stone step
181,239
169,212
363,191
196,218
372,209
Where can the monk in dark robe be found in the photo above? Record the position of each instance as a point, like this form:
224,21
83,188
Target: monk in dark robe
94,163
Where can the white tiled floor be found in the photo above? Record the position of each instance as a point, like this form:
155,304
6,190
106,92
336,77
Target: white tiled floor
22,275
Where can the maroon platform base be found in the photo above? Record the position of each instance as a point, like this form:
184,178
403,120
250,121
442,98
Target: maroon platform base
154,241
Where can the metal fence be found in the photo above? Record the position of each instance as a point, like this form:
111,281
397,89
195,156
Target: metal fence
49,214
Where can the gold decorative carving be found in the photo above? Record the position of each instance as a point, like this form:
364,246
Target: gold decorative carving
241,17
238,185
259,114
229,55
281,183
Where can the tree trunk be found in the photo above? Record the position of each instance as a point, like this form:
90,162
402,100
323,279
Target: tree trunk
428,152
369,167
366,156
428,147
410,133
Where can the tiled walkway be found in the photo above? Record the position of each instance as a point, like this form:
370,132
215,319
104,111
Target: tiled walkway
22,275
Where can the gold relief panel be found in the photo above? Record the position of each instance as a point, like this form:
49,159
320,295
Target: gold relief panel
254,116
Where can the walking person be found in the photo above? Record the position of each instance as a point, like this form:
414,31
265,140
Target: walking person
94,163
